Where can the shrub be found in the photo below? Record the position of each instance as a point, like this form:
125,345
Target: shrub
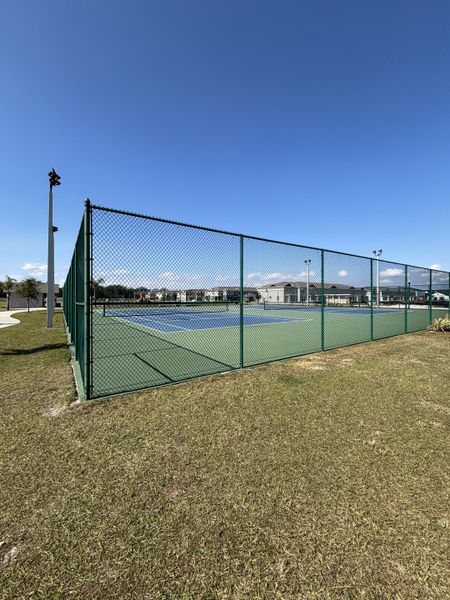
442,324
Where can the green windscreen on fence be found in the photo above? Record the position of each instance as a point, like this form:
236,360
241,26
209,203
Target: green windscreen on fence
74,304
149,302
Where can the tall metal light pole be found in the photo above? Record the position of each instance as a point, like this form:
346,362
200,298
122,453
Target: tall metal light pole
377,254
54,179
307,263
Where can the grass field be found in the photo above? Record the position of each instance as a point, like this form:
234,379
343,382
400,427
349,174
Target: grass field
315,478
133,352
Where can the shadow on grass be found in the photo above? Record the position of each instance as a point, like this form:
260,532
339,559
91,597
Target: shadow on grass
24,351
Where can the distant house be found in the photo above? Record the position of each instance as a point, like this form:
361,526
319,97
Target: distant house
334,293
230,294
440,298
191,295
16,301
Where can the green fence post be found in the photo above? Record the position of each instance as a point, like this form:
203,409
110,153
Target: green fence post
406,296
430,299
241,302
371,299
87,297
322,283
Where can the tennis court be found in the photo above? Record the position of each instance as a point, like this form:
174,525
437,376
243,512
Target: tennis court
150,302
138,346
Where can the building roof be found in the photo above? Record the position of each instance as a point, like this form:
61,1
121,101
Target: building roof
312,284
229,288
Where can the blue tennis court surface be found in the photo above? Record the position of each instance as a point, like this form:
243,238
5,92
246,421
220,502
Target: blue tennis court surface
335,310
171,323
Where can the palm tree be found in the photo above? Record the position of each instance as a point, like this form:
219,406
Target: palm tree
8,285
28,288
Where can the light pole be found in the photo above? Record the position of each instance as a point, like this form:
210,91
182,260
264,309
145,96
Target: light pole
377,254
54,179
307,263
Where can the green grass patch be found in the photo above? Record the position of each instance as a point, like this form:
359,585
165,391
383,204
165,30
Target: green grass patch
319,477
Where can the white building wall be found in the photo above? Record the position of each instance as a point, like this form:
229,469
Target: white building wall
271,294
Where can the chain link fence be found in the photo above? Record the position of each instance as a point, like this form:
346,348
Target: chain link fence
150,302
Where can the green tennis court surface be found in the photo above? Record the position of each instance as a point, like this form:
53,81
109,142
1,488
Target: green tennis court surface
149,302
133,350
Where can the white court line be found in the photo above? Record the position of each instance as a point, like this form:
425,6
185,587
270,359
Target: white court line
284,322
153,321
281,320
220,316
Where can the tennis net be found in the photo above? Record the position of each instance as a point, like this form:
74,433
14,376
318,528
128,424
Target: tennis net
285,305
151,309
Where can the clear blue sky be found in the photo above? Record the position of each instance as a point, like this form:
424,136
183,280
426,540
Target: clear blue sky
325,123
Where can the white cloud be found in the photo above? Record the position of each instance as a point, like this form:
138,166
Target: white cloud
304,274
119,272
386,281
392,272
34,269
170,277
343,273
436,267
30,266
260,278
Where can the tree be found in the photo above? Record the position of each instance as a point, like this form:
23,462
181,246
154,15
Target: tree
96,286
28,288
8,285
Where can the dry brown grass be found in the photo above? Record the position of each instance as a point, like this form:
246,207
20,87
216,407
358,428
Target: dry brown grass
321,477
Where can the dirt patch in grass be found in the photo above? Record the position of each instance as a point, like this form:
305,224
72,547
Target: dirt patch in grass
434,406
321,477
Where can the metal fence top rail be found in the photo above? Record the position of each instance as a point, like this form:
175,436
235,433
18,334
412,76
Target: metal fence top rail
250,237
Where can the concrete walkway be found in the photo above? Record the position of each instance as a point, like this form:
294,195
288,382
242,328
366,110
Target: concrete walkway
7,320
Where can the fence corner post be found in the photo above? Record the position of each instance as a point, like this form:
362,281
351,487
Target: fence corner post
87,297
371,299
430,299
407,295
322,285
241,301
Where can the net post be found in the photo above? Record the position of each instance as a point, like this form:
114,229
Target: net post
406,296
241,301
322,285
430,299
371,299
87,293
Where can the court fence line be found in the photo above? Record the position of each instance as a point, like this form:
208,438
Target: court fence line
150,301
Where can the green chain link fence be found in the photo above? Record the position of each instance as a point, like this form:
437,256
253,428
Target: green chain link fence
149,302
